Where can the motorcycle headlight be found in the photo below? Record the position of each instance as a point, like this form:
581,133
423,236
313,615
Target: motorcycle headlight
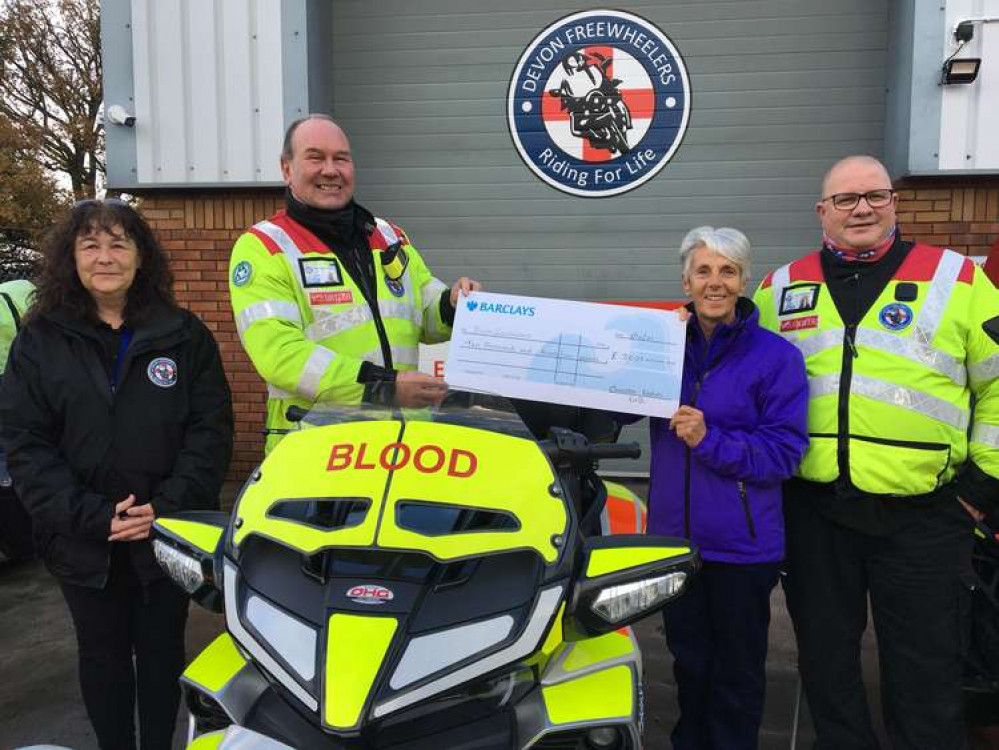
618,603
184,569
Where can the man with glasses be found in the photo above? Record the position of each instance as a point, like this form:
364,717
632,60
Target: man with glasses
893,338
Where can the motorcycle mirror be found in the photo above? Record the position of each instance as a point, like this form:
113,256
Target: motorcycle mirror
624,578
188,546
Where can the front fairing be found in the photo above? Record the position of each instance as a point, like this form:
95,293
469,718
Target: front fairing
380,561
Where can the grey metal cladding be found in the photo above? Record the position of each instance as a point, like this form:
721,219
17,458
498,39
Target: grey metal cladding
780,91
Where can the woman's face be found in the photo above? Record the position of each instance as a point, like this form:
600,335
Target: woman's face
106,262
714,283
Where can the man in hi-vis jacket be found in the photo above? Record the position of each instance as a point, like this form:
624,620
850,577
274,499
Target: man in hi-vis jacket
895,339
332,302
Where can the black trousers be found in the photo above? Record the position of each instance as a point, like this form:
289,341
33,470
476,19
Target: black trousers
717,632
912,575
112,624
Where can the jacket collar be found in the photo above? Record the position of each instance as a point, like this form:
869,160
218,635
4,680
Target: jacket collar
747,317
161,320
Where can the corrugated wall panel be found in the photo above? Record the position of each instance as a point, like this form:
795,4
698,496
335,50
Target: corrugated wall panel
208,90
781,89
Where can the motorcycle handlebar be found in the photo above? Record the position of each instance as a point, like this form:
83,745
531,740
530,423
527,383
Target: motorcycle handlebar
590,452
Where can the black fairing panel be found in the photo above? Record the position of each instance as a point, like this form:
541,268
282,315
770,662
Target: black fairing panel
473,725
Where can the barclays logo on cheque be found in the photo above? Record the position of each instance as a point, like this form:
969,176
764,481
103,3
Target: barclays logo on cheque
525,311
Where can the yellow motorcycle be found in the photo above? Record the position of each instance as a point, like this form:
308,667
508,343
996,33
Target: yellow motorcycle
423,580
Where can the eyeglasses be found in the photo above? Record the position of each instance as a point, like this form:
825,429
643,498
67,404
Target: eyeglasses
849,201
99,202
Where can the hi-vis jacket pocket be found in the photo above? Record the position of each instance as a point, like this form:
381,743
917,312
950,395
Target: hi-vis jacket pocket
897,467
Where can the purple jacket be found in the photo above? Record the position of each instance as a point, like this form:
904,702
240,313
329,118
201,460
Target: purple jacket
725,494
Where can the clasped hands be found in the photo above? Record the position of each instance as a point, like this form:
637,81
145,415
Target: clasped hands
131,522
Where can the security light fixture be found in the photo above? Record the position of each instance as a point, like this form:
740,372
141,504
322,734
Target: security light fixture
960,70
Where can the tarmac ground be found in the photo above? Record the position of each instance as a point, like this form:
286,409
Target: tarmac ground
40,701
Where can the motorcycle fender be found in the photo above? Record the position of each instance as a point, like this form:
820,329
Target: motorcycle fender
222,673
211,741
606,695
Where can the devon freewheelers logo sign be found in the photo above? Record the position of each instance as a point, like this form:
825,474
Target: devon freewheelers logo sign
598,103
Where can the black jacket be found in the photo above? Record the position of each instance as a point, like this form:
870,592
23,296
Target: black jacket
75,448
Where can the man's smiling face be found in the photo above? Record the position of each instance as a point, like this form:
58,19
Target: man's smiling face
320,171
862,227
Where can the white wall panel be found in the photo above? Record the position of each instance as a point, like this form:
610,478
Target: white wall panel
208,91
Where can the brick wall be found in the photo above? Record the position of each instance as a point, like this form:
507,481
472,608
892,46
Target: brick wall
960,214
198,231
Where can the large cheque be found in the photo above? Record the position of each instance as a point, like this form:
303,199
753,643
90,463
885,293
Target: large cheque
624,359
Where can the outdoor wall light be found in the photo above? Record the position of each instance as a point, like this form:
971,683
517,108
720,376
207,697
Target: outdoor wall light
960,70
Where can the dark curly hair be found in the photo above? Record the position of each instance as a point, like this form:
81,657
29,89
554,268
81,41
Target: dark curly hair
59,286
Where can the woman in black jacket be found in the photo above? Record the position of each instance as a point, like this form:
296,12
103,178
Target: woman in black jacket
115,411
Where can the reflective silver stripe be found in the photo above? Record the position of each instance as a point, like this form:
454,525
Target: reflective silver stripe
823,385
986,434
906,347
982,372
264,310
247,641
401,355
944,278
548,601
330,324
780,279
387,231
819,342
276,393
906,398
915,351
317,364
399,310
281,239
431,292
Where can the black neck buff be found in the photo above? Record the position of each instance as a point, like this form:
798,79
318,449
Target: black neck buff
336,227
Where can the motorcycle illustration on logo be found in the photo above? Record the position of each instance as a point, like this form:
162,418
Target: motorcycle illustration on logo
597,111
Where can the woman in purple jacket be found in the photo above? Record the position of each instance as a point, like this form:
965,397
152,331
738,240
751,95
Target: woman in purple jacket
717,469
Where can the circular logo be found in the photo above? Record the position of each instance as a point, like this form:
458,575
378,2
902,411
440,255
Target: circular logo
598,103
895,316
162,371
241,273
395,286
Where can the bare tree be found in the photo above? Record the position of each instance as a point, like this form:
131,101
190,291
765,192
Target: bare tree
50,84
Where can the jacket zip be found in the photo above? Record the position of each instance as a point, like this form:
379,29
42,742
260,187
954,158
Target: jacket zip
370,294
686,460
850,353
745,506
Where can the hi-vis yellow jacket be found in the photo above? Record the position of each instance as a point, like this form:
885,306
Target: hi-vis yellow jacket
15,299
305,323
890,402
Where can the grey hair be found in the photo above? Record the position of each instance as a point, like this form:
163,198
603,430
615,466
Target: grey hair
727,242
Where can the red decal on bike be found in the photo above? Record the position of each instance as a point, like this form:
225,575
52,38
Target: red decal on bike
369,594
427,459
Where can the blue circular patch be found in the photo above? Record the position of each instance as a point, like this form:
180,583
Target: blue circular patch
395,286
598,103
162,371
896,316
241,273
